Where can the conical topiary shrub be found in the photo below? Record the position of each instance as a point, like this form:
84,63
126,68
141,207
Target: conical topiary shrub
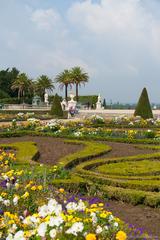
56,109
143,107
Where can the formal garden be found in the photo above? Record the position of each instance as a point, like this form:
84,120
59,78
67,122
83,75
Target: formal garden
92,178
60,178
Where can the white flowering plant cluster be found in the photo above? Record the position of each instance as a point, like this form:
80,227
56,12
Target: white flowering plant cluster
96,119
52,126
67,220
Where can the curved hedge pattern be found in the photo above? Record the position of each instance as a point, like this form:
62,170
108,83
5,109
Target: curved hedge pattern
136,188
86,172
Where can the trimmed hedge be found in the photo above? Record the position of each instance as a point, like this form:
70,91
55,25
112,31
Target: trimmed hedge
26,152
17,133
91,150
143,107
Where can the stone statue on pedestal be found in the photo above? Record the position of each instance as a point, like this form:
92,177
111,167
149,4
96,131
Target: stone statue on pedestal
72,105
99,103
46,99
64,105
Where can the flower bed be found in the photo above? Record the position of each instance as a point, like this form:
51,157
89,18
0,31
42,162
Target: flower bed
31,210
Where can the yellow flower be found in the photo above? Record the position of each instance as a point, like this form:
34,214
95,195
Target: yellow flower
94,205
25,195
40,187
33,188
101,204
61,190
91,236
103,215
3,194
17,186
19,173
121,235
10,222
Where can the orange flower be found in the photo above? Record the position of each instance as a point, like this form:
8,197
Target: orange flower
121,235
91,236
61,190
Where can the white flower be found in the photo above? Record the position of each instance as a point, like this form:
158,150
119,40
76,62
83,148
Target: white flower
55,221
111,218
99,229
81,206
106,227
19,236
77,134
9,237
71,206
94,218
76,228
15,200
13,228
8,185
1,199
115,224
34,219
6,202
42,229
53,233
54,207
43,211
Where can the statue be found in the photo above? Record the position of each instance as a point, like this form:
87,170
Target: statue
46,99
99,103
72,105
64,104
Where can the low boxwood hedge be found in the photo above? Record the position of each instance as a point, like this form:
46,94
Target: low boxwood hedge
26,152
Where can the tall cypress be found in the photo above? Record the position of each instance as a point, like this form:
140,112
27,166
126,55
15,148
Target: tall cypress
56,109
143,107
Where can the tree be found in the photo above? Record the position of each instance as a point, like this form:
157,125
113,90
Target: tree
6,80
22,84
56,109
143,107
64,79
42,84
104,104
78,77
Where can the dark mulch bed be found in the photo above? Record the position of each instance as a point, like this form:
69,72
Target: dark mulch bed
124,150
140,216
51,149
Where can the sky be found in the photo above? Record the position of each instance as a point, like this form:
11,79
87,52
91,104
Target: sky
117,42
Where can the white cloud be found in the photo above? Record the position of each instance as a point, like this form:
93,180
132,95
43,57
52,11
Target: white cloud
45,19
111,16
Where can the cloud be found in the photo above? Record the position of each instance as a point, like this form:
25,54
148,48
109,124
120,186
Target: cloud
45,19
115,41
110,16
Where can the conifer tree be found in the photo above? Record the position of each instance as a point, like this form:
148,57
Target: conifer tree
56,109
104,104
143,107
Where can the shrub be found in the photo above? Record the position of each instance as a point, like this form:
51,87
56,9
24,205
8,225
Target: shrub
143,107
126,195
56,109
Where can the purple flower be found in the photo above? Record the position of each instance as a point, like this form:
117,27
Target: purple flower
1,212
3,184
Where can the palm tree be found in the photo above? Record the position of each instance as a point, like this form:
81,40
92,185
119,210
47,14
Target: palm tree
64,80
79,77
42,84
22,84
